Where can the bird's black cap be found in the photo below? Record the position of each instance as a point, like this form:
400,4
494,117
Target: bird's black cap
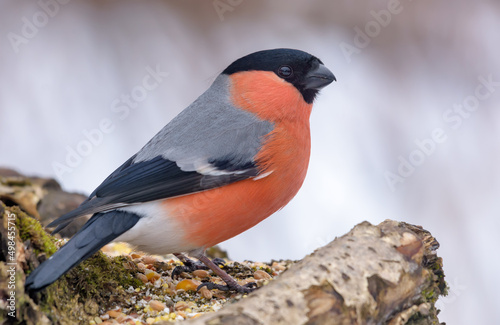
305,71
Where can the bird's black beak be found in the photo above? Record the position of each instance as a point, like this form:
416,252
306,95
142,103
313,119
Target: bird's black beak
319,78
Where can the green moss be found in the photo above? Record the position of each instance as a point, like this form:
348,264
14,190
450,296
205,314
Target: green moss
438,286
90,288
30,229
419,319
100,276
94,286
429,295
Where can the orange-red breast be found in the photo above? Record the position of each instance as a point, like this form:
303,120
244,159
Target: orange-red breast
229,160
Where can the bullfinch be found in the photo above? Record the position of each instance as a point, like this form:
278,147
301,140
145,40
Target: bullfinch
232,158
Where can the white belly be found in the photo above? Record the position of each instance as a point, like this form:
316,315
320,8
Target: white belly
155,232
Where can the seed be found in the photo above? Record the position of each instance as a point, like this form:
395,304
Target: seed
162,266
135,255
121,318
148,260
201,274
129,265
278,267
188,285
157,305
205,293
180,305
115,313
142,277
141,266
185,275
151,275
261,275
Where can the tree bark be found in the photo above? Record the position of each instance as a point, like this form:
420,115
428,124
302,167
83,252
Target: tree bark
385,274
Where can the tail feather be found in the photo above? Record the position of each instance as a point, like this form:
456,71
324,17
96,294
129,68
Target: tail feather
87,207
92,204
101,229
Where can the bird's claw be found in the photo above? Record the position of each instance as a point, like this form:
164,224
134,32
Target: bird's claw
219,261
188,267
179,269
247,288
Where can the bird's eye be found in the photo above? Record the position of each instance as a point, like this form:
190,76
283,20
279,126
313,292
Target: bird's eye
285,71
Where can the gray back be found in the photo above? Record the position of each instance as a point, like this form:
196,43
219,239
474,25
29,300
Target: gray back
211,128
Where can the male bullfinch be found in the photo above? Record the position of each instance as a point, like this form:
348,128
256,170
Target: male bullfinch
232,158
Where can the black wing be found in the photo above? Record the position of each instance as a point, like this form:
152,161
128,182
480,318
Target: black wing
151,180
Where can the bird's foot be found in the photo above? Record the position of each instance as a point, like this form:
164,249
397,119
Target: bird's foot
231,286
214,265
190,265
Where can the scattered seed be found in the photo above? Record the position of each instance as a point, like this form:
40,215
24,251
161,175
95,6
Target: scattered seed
129,265
135,255
201,274
115,313
151,275
178,297
188,285
278,267
205,293
157,305
162,266
142,277
141,266
148,260
261,275
185,275
121,318
181,305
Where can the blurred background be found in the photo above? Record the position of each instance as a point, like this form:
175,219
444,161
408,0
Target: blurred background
409,132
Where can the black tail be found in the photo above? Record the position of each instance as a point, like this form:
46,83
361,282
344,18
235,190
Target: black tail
101,229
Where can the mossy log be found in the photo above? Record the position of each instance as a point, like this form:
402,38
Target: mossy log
79,296
385,274
76,298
